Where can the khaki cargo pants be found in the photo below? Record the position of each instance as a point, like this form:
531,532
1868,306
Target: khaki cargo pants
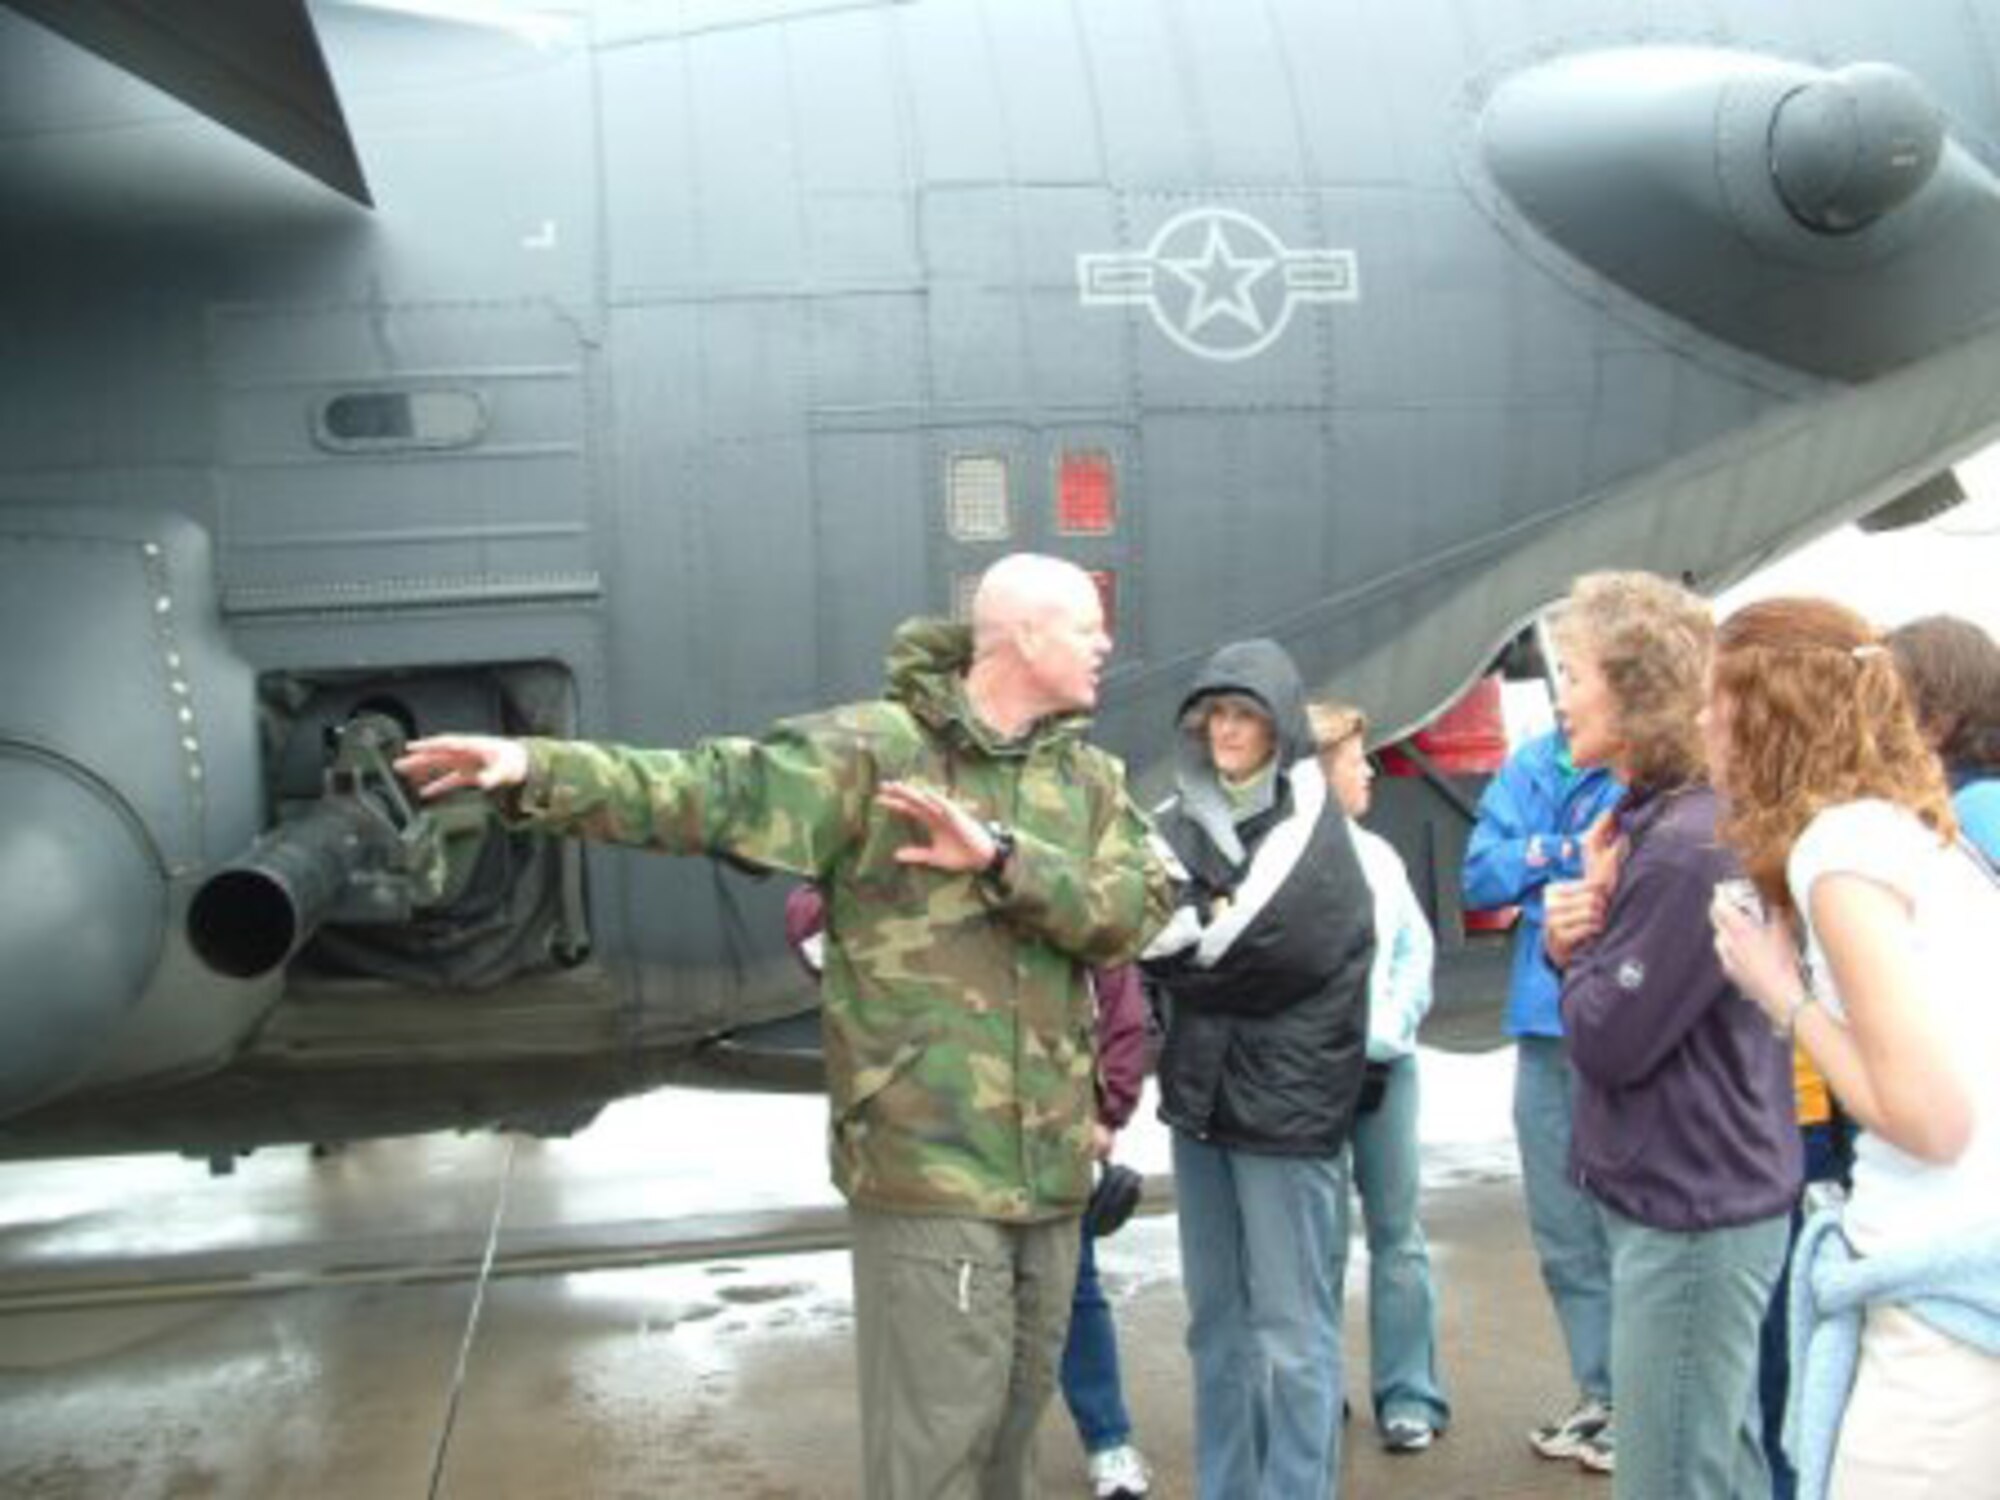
959,1326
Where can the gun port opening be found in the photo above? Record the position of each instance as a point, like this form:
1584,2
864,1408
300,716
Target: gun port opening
242,924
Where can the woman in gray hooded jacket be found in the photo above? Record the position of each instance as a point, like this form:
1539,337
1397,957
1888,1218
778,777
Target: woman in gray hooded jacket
1264,967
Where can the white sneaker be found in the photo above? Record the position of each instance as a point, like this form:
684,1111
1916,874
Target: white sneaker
1599,1452
1407,1435
1567,1434
1118,1474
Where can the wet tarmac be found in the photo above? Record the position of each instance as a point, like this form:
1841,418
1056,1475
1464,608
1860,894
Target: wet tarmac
298,1329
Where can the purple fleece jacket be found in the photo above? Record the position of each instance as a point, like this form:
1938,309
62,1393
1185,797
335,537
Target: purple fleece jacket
1684,1117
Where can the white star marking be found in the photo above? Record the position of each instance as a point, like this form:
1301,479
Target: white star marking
1228,312
1222,283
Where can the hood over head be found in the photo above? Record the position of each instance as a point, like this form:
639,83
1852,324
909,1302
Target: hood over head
1264,672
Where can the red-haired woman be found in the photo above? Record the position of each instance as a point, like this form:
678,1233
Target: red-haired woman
1842,819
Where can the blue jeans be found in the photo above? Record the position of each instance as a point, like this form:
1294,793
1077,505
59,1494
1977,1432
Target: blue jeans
1829,1158
1402,1303
1566,1223
1090,1384
1259,1237
1685,1309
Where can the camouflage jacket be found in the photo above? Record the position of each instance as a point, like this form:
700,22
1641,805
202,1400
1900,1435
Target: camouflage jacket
958,1014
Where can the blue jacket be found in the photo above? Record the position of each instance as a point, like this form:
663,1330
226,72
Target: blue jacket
1531,818
1977,803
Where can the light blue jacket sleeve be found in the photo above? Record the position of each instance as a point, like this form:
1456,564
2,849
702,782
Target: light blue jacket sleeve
1412,956
1399,980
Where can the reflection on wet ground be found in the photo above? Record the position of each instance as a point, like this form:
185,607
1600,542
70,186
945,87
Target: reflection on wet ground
729,1377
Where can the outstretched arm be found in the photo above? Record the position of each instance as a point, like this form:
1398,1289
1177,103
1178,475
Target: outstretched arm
787,800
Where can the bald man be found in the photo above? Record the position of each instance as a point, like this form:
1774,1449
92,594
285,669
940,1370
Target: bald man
978,858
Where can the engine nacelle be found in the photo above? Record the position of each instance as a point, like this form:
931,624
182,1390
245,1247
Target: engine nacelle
1823,219
128,768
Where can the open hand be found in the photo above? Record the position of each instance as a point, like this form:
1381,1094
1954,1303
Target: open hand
443,763
954,839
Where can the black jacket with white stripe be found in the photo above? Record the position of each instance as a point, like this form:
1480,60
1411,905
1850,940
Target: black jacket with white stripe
1265,965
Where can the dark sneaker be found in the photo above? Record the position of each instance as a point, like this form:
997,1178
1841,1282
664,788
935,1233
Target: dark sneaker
1563,1437
1407,1434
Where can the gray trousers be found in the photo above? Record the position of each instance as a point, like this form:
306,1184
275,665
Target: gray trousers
959,1325
1685,1310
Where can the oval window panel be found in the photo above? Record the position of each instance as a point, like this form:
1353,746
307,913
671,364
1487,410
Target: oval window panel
392,421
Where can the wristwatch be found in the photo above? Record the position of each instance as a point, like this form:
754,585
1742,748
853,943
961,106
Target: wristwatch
1003,850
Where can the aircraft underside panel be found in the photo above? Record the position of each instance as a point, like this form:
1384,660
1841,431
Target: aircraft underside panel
1711,516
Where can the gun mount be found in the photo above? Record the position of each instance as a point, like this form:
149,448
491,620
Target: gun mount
363,853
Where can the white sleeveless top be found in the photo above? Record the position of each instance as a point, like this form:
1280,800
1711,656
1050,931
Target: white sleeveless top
1955,907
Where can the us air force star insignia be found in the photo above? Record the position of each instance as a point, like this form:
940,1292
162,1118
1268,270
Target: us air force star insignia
1222,283
1218,283
1631,974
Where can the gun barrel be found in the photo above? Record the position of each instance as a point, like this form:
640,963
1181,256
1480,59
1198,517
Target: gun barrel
255,913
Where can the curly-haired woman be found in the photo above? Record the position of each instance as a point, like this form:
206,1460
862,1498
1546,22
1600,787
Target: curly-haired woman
1843,820
1684,1130
1952,669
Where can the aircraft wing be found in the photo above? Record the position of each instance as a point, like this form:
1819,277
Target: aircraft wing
253,66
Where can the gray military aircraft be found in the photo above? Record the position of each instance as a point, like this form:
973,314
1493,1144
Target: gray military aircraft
627,368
